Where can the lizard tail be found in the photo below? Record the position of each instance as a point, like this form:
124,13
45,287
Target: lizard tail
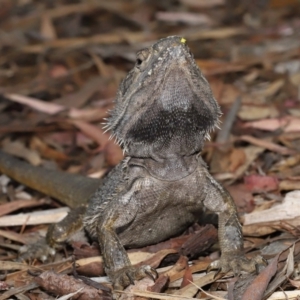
71,189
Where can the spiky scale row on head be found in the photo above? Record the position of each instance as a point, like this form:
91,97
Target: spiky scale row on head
164,107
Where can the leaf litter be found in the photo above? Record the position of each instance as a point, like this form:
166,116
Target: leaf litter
61,64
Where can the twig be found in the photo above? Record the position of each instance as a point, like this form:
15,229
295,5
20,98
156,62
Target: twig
224,133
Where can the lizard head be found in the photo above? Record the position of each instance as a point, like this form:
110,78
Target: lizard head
164,107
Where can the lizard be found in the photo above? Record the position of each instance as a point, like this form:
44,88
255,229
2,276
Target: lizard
164,111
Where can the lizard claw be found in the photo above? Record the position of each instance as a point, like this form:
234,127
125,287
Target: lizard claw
215,265
131,280
237,263
217,273
127,275
263,261
259,260
152,273
210,267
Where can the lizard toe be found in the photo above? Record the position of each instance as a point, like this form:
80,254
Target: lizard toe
127,275
151,272
237,263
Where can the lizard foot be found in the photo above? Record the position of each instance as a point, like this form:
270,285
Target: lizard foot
38,250
127,275
237,263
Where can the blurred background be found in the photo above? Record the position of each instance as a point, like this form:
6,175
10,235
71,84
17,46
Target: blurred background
60,66
71,56
62,61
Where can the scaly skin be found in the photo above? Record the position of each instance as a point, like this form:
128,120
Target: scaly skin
73,190
164,112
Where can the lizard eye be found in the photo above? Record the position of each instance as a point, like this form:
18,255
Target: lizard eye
141,56
139,61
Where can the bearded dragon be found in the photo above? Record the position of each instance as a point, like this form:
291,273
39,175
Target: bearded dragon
164,111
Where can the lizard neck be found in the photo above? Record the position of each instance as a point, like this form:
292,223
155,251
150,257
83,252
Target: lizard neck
168,169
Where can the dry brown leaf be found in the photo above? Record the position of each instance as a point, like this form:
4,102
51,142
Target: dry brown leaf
88,114
216,33
18,149
60,284
187,277
173,243
287,163
295,283
79,98
177,270
12,265
237,158
40,146
259,183
214,67
288,209
266,144
251,153
295,112
191,289
58,70
94,132
59,139
42,106
199,242
289,185
256,289
161,296
287,124
265,205
242,197
93,266
153,260
250,112
142,285
225,93
47,29
295,79
9,207
77,42
251,76
290,295
34,218
203,3
13,236
184,17
273,88
265,228
286,268
160,284
113,153
4,286
258,230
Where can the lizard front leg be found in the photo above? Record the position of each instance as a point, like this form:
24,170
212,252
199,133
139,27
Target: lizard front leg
232,258
116,261
108,219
